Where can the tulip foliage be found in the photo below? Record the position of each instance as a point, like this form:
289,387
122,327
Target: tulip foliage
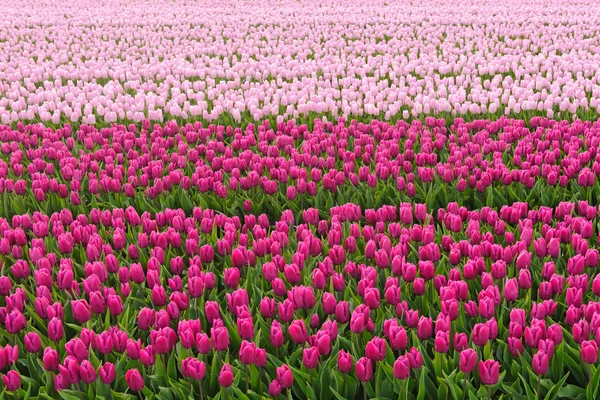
380,261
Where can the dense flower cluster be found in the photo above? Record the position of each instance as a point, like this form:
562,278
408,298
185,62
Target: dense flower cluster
353,300
93,62
291,166
299,199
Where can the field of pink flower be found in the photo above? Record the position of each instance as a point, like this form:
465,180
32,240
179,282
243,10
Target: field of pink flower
300,200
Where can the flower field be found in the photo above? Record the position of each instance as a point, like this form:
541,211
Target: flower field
300,200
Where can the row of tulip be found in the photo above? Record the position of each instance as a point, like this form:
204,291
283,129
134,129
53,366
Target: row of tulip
243,61
374,303
288,166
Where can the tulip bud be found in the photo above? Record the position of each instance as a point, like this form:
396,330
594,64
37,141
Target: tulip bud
275,389
33,343
402,368
284,376
87,372
364,369
344,362
12,381
107,373
50,359
468,360
376,349
589,352
310,357
134,380
489,372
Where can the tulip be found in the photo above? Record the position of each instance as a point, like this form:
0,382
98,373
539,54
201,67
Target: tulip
442,342
480,334
219,337
284,376
589,352
511,290
12,381
81,311
364,369
193,368
398,338
515,345
50,359
489,372
342,313
424,328
376,349
148,356
77,349
298,332
87,372
203,343
247,352
415,358
134,380
461,341
260,358
344,362
468,361
275,388
212,311
15,322
540,362
276,336
310,357
402,368
33,343
70,370
107,373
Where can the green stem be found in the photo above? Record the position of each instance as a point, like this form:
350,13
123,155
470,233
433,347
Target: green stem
377,372
260,376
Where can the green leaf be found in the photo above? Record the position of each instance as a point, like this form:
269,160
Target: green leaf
172,368
422,388
68,394
337,395
555,389
592,388
571,392
526,385
239,394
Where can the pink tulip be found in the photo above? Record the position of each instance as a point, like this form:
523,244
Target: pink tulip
402,368
12,381
134,380
107,373
489,372
468,360
589,352
344,362
310,357
364,369
284,376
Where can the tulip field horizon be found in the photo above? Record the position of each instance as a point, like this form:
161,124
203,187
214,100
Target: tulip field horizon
299,199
